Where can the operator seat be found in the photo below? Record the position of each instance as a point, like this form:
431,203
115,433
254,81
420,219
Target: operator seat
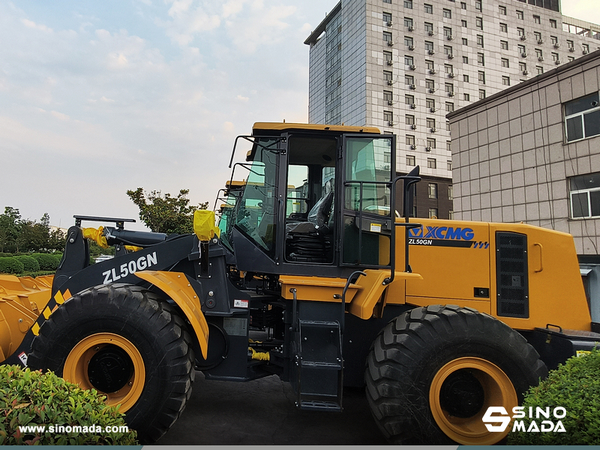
311,241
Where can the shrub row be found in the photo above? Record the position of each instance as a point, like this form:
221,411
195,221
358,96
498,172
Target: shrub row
32,398
29,263
574,386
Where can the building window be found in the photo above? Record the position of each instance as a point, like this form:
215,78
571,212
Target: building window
523,68
463,5
504,45
449,107
465,60
449,88
430,104
521,32
463,23
433,213
480,40
408,4
430,143
430,121
410,140
520,15
448,51
449,164
479,23
387,1
409,119
480,59
570,45
450,189
586,48
388,76
538,37
465,41
481,94
429,47
504,28
409,80
466,78
504,62
432,190
539,70
387,36
467,97
502,10
554,41
570,58
539,53
447,13
431,163
409,99
411,160
388,97
537,19
428,8
522,51
582,117
481,77
388,117
552,23
585,195
408,22
448,33
478,5
409,60
429,65
555,58
505,81
430,86
448,68
387,17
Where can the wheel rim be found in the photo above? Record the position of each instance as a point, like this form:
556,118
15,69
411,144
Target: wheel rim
460,394
110,364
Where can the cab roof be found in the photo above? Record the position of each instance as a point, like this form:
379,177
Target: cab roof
283,126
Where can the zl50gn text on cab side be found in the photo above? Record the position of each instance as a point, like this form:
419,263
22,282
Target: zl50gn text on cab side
312,276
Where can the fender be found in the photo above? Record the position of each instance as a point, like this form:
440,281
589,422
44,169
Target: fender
179,289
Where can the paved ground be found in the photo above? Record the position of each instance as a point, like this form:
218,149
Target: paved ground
262,412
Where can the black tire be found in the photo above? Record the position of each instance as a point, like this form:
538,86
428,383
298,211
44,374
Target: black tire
433,372
140,338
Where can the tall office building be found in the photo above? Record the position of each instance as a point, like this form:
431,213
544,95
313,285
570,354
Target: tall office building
402,65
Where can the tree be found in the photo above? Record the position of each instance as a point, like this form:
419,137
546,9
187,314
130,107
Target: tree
10,228
164,213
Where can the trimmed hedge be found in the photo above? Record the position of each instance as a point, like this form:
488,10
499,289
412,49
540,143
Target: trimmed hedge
574,386
32,398
47,261
11,265
30,264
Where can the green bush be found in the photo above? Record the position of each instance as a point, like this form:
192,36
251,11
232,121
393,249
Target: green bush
11,265
574,386
29,398
29,264
46,261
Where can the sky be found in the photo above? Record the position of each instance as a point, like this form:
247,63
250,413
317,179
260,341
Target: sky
101,97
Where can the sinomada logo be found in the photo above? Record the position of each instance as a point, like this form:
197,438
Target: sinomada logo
530,420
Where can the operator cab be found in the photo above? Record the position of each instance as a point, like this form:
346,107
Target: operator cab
318,200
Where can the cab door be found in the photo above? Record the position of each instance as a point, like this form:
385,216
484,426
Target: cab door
367,164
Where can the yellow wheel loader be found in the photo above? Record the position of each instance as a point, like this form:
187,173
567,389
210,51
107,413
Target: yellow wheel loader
315,278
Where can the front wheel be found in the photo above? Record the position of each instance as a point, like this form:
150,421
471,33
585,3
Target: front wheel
433,372
127,344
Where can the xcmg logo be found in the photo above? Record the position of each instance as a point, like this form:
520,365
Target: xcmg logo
465,234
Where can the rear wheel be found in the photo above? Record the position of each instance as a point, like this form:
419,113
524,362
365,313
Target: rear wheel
127,344
433,372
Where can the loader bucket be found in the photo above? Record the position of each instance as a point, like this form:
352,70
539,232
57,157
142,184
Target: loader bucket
22,300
